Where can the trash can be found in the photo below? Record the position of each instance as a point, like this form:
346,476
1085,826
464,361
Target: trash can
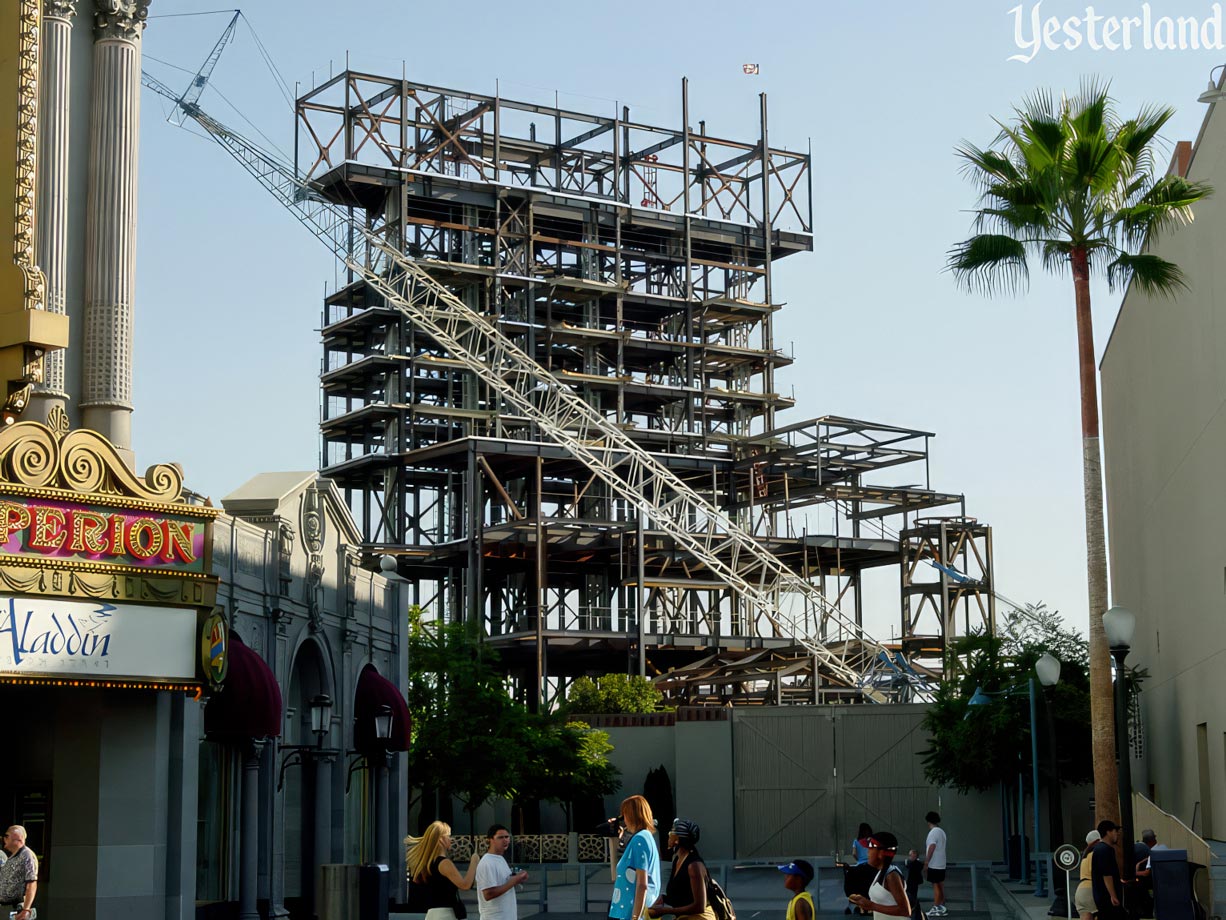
336,894
1172,878
374,891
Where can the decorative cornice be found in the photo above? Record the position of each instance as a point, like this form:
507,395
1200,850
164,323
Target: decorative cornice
81,461
60,9
62,579
122,20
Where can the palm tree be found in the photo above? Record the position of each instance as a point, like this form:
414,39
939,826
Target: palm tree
1069,182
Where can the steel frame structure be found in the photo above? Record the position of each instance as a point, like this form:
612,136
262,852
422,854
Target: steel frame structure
605,368
947,585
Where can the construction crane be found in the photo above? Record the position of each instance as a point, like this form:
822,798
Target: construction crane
753,573
187,102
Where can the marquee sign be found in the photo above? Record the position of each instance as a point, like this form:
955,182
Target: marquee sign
71,530
43,637
105,576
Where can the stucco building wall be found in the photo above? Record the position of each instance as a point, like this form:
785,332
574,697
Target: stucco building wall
1163,393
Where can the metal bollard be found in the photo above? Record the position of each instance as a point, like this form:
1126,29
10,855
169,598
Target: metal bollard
974,887
582,889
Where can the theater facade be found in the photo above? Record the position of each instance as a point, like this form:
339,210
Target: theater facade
163,666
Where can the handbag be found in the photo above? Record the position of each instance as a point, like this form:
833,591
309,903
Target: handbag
721,904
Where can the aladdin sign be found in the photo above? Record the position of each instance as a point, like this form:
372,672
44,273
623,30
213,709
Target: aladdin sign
68,530
50,636
105,576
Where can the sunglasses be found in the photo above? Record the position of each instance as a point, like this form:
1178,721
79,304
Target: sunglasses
874,845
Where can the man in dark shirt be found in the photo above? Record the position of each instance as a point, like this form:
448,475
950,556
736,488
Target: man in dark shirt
1145,881
1105,872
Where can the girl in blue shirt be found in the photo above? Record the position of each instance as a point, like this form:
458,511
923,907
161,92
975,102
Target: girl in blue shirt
636,875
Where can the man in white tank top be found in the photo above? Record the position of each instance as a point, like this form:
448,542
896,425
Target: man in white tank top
934,863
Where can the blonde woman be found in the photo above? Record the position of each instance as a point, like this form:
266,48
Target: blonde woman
1083,897
435,874
636,876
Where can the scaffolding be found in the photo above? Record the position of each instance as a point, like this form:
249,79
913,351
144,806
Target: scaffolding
633,264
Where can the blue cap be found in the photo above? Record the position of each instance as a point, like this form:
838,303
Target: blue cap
800,867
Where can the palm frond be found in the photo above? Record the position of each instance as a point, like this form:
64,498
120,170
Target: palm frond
985,165
1055,255
1137,134
989,262
1150,273
1089,112
1066,174
1167,204
1095,91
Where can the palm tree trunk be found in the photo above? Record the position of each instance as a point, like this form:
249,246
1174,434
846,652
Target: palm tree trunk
1106,787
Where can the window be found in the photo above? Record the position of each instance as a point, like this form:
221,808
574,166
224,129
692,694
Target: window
215,821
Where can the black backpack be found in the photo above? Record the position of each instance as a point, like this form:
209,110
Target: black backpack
720,903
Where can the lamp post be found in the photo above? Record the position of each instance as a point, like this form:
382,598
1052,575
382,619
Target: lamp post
1214,92
383,734
1048,670
321,717
1119,624
1039,890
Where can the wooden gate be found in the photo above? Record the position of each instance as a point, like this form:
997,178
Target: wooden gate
806,776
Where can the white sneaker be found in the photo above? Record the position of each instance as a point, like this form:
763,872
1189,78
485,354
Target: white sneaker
937,910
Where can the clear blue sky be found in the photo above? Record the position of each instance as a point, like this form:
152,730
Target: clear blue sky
230,288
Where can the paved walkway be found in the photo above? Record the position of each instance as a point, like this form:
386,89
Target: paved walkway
757,892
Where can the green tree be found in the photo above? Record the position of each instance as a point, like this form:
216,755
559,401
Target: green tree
1037,627
469,736
1071,183
613,693
472,740
980,747
568,762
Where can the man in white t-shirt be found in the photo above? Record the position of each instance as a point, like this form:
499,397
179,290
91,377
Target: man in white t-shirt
934,863
495,884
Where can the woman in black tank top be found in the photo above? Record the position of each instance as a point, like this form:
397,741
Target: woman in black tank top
686,893
437,881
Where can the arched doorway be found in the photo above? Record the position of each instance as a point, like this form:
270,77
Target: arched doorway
307,794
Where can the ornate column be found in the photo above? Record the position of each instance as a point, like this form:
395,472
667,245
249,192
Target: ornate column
323,760
52,245
249,824
110,220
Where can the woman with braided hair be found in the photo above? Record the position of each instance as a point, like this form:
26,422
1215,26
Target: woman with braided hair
686,894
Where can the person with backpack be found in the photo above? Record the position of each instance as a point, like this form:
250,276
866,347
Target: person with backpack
887,896
685,896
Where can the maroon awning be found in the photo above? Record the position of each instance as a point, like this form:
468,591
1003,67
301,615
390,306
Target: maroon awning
372,692
249,704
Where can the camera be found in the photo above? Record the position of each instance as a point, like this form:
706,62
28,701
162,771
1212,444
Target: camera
610,828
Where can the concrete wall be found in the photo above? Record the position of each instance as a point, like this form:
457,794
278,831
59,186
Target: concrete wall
816,807
1163,390
114,764
850,764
